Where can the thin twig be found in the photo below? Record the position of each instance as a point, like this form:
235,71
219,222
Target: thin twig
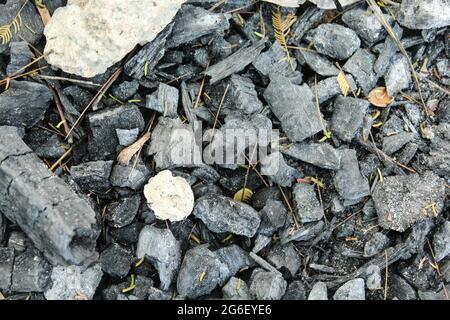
57,163
218,112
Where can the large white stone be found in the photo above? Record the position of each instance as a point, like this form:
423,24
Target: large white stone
88,36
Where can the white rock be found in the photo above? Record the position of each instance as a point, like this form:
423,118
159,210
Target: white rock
88,36
169,197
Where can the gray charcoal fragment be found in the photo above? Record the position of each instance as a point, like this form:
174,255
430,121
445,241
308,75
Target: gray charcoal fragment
441,242
122,213
156,294
68,230
45,144
24,104
261,242
263,195
329,88
334,40
222,214
277,170
92,176
388,52
193,23
20,56
306,233
19,241
132,177
319,291
267,285
285,256
236,289
360,66
243,96
236,62
373,277
293,105
2,228
200,262
31,272
127,136
309,19
273,217
6,267
162,250
125,90
349,182
417,14
72,283
116,261
319,63
351,290
306,203
401,201
400,289
164,101
408,152
378,242
235,258
366,24
443,66
322,155
348,117
398,76
127,235
393,143
295,291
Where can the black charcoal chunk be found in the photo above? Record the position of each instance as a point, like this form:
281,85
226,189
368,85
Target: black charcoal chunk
31,272
348,117
162,250
417,14
131,176
318,292
366,24
351,290
266,285
441,242
322,155
375,244
127,235
125,90
122,213
74,283
164,101
306,203
92,176
236,289
408,152
372,275
398,76
329,88
295,291
393,143
116,261
60,223
277,170
349,182
400,289
273,217
309,19
45,144
24,104
334,40
200,263
242,96
285,257
193,23
20,56
388,52
401,201
222,214
360,66
293,105
235,258
319,63
263,195
6,267
236,62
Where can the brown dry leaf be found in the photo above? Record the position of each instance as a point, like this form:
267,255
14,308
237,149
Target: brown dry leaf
127,154
343,83
380,98
45,15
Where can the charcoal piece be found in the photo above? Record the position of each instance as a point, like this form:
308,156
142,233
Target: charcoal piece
131,176
349,182
45,144
360,66
205,173
201,57
275,62
67,232
200,263
401,201
416,14
261,242
162,250
127,136
127,235
415,113
318,292
296,290
408,152
2,228
329,88
31,272
306,233
149,56
164,101
221,214
235,62
366,24
309,19
6,267
24,104
103,140
273,217
400,289
263,195
278,171
443,67
116,261
242,96
322,155
236,289
187,104
348,117
351,290
19,241
388,51
318,63
235,258
334,40
372,276
441,242
421,275
285,257
192,23
80,97
267,285
156,294
20,56
306,203
378,242
398,76
125,90
74,283
293,105
393,143
93,176
122,213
